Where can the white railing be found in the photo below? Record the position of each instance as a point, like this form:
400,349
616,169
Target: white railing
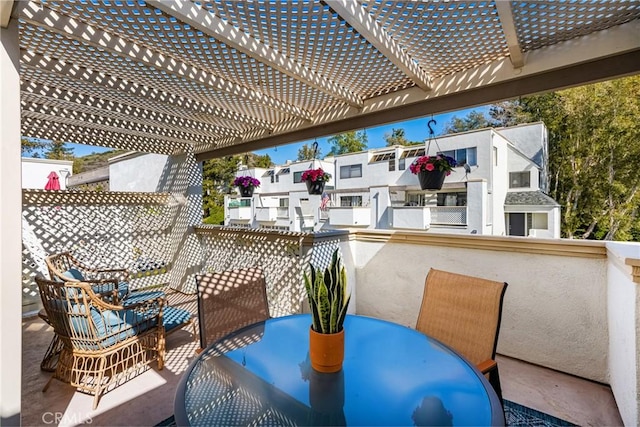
266,214
240,213
282,212
350,216
449,215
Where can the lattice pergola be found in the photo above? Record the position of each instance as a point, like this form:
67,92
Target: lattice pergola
221,77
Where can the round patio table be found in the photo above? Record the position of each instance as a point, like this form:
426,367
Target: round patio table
392,375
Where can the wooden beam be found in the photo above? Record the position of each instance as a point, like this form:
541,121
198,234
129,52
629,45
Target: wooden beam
198,17
505,13
352,12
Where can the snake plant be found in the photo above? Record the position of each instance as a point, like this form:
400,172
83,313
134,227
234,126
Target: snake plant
327,294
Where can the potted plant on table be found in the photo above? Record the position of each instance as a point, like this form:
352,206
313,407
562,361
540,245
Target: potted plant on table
432,170
328,301
246,184
315,180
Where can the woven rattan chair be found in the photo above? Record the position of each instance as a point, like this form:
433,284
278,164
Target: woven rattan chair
114,282
103,345
464,313
230,300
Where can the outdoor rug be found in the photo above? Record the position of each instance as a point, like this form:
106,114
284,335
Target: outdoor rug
516,415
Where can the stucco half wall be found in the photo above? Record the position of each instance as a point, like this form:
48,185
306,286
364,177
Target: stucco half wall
555,309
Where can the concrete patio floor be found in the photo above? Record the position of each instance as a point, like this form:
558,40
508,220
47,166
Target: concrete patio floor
148,399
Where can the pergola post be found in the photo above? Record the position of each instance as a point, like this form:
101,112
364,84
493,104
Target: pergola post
10,235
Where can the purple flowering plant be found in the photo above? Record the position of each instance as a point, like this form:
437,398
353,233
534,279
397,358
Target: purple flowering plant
439,162
315,175
246,181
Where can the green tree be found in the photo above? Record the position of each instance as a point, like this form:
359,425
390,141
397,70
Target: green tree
31,146
58,150
397,137
473,120
306,152
348,142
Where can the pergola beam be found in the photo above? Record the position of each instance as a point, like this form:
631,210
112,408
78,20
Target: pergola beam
60,24
622,64
505,13
211,25
55,97
105,84
352,12
98,135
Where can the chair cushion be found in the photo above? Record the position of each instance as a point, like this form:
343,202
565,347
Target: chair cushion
123,289
173,317
74,274
142,296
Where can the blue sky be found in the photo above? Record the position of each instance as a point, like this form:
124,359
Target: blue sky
415,130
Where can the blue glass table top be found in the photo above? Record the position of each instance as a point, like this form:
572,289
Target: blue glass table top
392,375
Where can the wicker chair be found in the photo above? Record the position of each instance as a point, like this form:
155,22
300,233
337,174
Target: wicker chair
230,300
464,313
112,285
103,344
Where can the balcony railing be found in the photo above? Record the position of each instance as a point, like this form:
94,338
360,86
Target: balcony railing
449,215
240,213
411,217
266,214
350,216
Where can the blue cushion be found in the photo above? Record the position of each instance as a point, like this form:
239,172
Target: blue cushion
123,289
142,296
173,317
73,273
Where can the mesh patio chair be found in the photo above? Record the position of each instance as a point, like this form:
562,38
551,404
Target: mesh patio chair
230,300
103,345
464,312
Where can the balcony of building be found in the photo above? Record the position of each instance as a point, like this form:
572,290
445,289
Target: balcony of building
349,216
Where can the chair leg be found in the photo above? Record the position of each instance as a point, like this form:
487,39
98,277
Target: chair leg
494,380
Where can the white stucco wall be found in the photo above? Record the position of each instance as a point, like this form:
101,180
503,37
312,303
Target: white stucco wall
10,235
498,184
550,314
137,172
35,172
623,302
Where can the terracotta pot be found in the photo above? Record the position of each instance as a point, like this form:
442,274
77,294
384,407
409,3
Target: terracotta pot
315,187
245,191
431,180
326,351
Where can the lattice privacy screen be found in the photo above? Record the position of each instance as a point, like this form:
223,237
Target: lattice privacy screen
283,256
104,230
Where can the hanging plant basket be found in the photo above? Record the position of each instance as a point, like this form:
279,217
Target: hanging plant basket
431,180
315,187
246,191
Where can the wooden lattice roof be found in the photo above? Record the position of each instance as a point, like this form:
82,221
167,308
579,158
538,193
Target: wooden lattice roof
218,77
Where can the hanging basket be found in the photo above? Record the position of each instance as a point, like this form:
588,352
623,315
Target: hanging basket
431,180
246,191
315,187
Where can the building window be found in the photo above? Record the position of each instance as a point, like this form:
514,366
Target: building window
415,199
519,179
495,156
464,155
383,157
350,201
284,171
350,171
401,164
416,152
297,177
284,202
452,199
392,165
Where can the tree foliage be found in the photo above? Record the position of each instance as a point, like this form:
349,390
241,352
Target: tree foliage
58,150
348,142
307,152
594,153
398,137
473,120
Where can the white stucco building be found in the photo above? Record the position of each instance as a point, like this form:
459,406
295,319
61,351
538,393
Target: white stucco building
35,172
500,192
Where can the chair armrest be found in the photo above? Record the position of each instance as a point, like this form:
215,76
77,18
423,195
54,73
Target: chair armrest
106,305
487,366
